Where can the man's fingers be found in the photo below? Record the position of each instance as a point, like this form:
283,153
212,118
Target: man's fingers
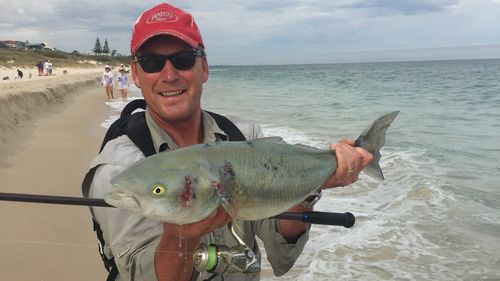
366,157
350,161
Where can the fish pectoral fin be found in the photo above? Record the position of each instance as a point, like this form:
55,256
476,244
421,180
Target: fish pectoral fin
224,202
221,194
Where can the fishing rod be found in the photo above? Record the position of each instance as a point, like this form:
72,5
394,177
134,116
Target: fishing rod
325,218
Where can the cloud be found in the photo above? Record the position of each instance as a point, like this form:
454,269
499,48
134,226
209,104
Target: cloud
407,7
260,31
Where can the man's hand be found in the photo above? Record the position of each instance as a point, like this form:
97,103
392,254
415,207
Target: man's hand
174,254
350,161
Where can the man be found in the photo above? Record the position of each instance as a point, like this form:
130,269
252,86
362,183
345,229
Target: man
169,66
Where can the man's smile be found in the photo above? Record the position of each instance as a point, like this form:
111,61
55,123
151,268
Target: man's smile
171,93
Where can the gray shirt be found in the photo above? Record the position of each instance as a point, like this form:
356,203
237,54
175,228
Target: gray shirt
132,239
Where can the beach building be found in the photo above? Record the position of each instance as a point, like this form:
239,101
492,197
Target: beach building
25,45
12,44
39,46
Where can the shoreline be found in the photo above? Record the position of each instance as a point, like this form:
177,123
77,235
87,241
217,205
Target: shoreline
50,131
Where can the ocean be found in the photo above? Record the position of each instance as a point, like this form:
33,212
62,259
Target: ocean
437,214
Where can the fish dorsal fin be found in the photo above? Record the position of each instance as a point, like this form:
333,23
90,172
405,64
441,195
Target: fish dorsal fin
309,148
269,140
279,140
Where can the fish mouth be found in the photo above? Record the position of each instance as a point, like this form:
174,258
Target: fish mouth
123,199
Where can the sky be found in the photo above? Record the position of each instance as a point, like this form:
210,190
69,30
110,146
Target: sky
276,31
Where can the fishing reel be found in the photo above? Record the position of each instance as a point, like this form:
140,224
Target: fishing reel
219,259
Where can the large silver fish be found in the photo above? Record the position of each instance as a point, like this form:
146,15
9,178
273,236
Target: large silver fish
251,179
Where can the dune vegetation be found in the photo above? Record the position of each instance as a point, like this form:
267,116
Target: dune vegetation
11,58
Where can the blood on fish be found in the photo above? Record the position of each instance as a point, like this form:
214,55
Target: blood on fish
228,172
188,193
218,187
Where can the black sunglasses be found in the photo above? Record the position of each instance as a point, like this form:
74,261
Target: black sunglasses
182,60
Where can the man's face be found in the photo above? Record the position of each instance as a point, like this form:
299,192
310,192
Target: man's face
172,95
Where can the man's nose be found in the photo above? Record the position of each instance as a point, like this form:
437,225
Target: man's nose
169,72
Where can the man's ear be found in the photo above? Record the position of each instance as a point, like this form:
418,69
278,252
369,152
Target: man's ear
205,69
133,67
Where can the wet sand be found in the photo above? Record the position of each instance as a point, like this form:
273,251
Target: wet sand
49,132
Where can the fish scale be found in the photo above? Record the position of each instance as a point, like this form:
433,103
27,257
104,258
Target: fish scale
272,175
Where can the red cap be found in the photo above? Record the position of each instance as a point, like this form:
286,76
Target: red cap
167,20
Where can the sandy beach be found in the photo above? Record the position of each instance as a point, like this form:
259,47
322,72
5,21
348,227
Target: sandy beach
32,73
49,132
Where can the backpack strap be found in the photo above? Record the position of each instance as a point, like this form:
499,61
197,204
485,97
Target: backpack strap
228,127
133,125
137,130
109,263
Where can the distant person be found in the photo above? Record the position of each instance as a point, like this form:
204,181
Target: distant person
50,68
39,67
46,68
123,83
123,67
107,82
19,74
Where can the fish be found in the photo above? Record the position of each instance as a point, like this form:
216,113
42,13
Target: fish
251,180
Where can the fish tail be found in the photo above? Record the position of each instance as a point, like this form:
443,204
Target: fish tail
372,139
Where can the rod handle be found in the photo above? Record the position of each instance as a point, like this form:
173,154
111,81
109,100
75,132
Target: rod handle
346,220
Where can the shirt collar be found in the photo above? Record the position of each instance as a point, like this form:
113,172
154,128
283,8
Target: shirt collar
211,130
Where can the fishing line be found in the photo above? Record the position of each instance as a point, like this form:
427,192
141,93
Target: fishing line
48,243
61,244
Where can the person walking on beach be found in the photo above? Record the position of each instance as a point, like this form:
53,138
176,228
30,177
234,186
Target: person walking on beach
49,68
169,65
46,67
107,82
39,67
123,83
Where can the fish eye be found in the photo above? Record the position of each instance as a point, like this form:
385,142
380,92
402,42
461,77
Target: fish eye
157,190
